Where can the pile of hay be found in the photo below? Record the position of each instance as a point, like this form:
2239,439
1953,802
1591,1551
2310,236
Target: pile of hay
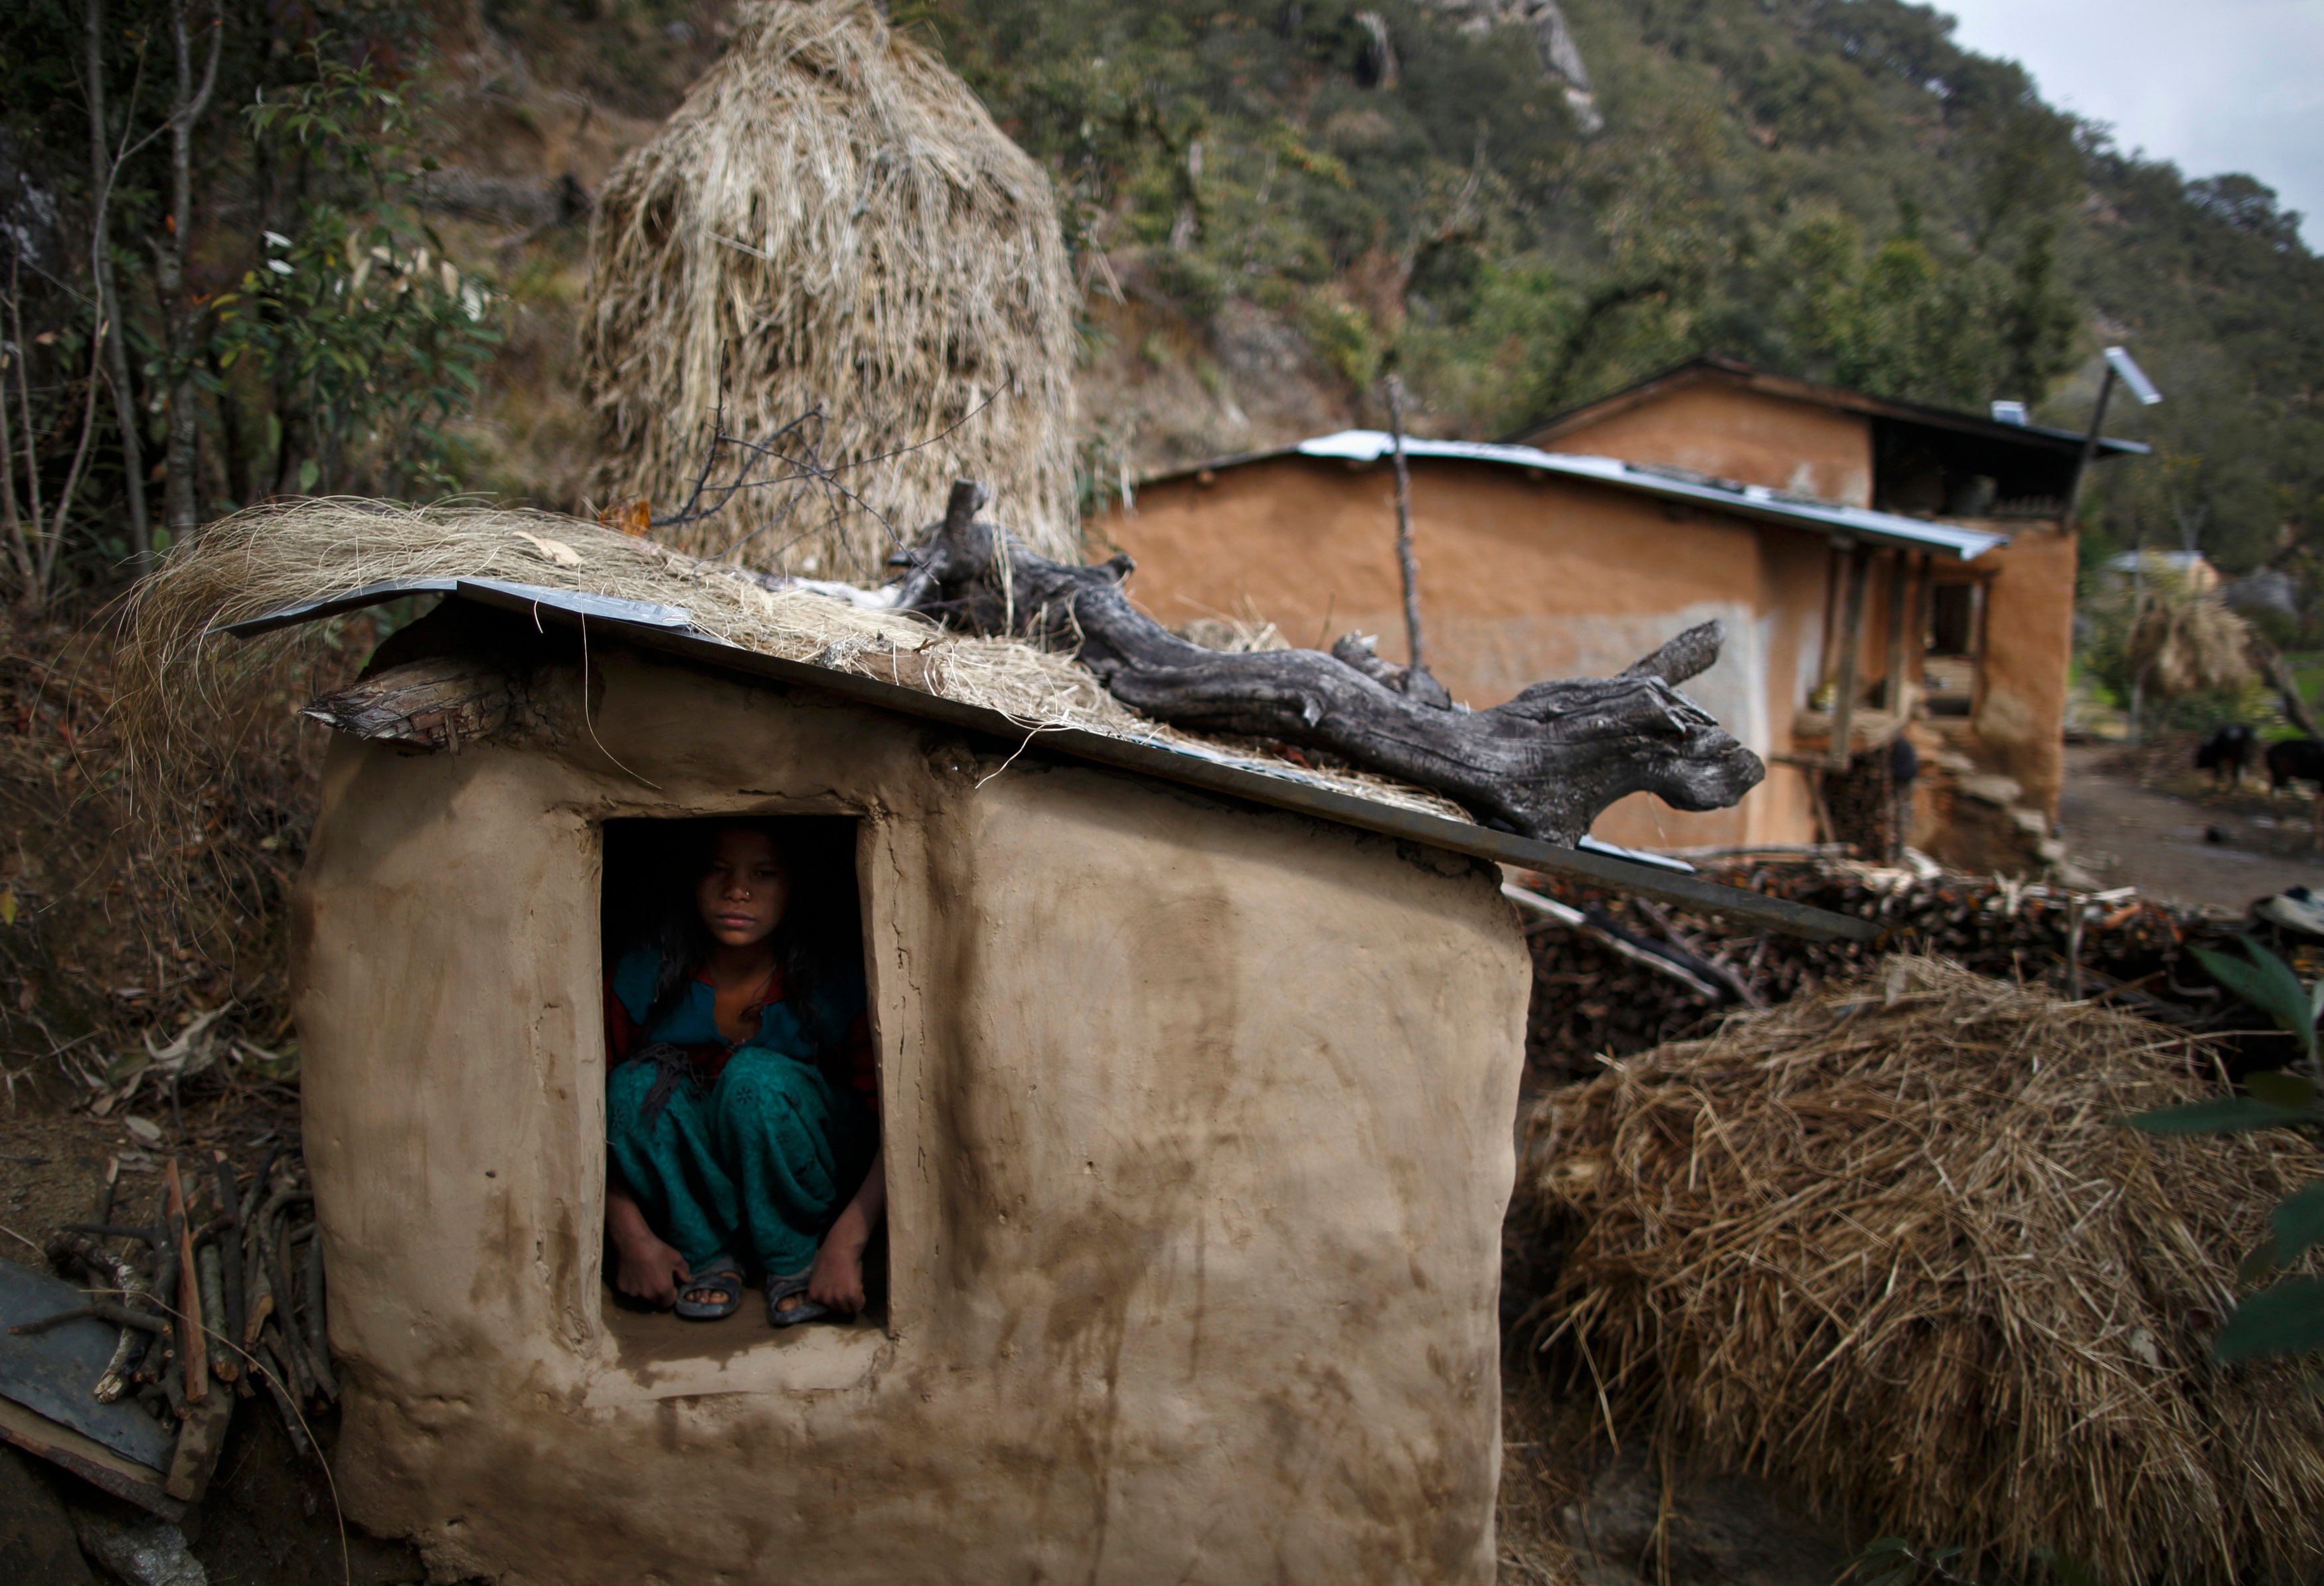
177,680
2182,639
832,222
2190,644
1886,1244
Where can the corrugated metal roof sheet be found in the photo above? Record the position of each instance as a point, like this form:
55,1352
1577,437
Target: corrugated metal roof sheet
1751,501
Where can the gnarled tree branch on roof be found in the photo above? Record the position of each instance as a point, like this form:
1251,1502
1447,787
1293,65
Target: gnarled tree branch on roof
1545,765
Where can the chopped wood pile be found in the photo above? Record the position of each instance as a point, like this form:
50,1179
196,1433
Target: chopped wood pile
1616,975
217,1288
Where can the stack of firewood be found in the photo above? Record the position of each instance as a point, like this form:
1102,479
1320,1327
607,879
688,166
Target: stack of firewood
1634,975
218,1292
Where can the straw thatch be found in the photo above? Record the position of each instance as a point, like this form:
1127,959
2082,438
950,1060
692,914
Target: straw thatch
832,223
175,685
2185,643
1887,1244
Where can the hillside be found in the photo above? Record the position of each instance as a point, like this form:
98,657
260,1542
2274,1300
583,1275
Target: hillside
1269,203
1272,201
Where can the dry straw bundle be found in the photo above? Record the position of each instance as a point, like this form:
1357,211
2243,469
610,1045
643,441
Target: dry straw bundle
1886,1244
2182,639
2187,646
831,222
185,696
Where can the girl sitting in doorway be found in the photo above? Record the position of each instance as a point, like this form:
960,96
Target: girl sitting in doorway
741,1102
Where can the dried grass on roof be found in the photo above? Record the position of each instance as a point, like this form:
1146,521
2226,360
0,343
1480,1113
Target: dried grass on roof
183,698
832,222
1886,1244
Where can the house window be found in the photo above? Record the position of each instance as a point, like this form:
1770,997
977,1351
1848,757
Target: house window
742,1106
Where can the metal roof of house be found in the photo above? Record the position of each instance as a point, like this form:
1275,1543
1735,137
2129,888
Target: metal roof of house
1715,366
1755,501
669,631
1750,500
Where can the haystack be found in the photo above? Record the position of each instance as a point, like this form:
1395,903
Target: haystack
831,225
1886,1244
177,682
2187,643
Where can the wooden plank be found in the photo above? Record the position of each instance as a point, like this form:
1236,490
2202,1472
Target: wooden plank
201,1438
86,1458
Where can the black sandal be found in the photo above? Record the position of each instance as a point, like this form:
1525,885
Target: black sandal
725,1282
779,1289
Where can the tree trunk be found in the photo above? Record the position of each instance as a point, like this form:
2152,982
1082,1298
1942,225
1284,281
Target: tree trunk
1542,765
101,173
180,317
2277,673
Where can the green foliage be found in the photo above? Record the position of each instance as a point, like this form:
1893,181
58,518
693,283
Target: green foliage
370,338
1892,1561
319,338
2225,1115
1346,336
2284,1319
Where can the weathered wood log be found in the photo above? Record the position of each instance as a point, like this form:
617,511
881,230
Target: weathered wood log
432,704
1544,764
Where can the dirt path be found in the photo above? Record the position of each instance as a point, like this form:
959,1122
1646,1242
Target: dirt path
2141,818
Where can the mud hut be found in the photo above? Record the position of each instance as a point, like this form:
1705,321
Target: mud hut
829,251
1198,1101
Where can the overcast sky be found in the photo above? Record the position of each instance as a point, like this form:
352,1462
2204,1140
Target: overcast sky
2222,86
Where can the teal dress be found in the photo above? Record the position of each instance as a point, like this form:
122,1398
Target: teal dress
740,1150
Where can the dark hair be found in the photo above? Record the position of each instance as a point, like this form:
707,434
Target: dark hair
818,930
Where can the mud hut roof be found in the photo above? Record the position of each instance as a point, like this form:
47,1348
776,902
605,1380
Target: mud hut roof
831,252
269,572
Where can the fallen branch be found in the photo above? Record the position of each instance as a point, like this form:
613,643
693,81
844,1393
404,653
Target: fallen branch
103,1311
1542,765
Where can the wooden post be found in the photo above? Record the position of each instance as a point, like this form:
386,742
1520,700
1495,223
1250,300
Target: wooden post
1833,566
1852,641
195,1347
2089,452
1406,564
1927,606
1892,696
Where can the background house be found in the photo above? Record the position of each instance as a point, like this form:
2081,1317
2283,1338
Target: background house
1873,560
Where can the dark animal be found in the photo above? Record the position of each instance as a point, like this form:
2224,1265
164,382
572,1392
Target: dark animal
2295,759
2299,759
2228,755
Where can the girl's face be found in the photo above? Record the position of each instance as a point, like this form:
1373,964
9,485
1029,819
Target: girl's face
743,893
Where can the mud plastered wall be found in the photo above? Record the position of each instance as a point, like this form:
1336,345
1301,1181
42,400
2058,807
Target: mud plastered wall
1198,1121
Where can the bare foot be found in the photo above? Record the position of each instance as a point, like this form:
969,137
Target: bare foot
837,1279
650,1270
